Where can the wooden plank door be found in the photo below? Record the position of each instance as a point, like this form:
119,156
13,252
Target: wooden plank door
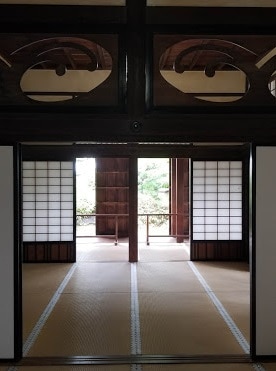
180,198
112,188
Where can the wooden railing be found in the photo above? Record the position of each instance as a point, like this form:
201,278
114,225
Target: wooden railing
116,217
170,215
148,235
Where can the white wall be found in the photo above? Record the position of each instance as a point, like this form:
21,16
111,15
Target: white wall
7,253
265,250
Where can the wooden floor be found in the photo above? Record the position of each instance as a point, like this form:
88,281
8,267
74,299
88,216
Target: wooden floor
163,309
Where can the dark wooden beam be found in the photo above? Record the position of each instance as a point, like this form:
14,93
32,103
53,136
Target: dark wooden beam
48,152
58,18
182,128
135,37
251,18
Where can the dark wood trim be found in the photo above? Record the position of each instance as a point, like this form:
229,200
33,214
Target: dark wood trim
133,359
173,198
59,18
63,17
49,252
218,251
181,199
162,128
251,19
136,60
70,152
133,206
74,257
252,249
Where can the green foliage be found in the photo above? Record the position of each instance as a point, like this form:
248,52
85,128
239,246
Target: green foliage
84,207
153,188
152,178
150,205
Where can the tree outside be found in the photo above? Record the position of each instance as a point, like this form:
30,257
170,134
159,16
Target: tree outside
153,193
85,195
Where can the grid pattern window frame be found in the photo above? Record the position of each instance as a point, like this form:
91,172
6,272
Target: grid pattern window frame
48,201
217,200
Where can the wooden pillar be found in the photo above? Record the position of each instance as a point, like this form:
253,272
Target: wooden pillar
180,197
133,209
173,198
186,191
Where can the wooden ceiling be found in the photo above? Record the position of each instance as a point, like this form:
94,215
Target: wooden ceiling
82,53
207,3
195,52
72,53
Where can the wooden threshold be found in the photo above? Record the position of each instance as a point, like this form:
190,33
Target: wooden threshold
134,359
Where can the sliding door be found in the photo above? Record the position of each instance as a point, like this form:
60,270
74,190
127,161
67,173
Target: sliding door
48,211
217,211
9,254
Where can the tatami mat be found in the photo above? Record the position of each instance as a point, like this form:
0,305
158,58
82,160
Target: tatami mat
183,323
93,313
93,250
176,316
167,276
40,281
231,283
86,324
162,252
43,277
100,277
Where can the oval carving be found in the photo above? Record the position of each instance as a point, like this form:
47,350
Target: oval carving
207,69
63,69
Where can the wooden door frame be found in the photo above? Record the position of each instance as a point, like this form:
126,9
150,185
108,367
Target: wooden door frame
133,151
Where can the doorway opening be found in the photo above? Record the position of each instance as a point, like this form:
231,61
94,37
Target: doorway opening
102,208
85,197
102,203
163,209
153,198
110,286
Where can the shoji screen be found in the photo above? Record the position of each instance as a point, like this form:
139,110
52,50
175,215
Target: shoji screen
7,253
48,202
217,202
265,252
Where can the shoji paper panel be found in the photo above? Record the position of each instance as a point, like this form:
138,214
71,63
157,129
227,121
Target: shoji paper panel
47,201
217,200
